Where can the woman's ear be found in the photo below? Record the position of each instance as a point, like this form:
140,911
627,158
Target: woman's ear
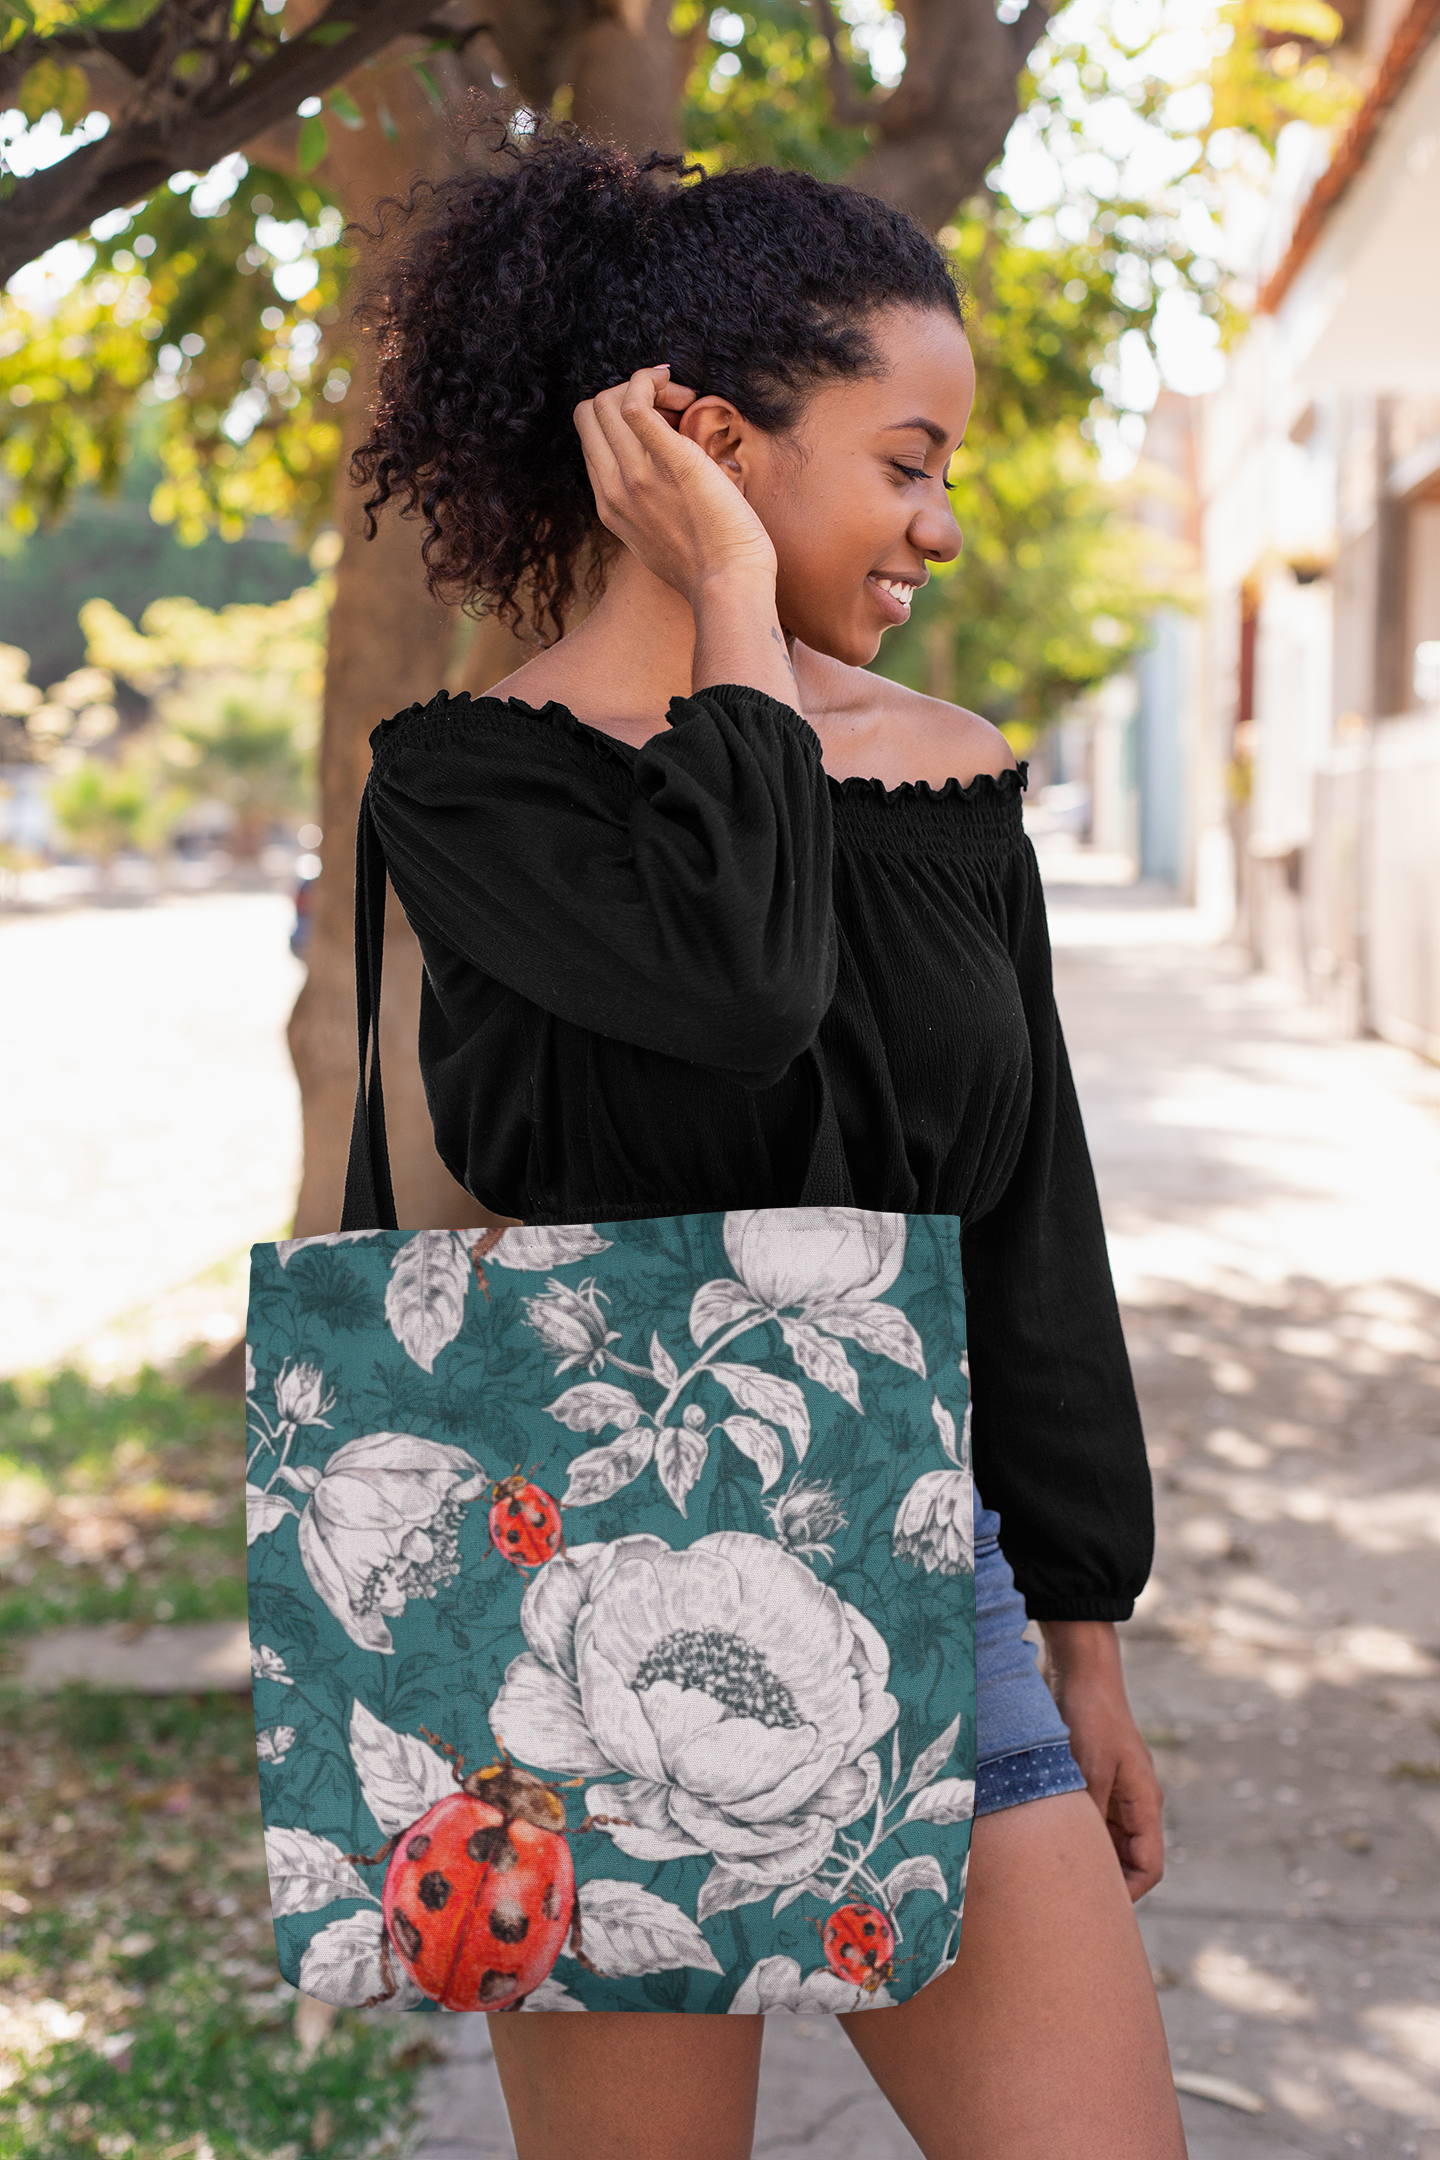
714,426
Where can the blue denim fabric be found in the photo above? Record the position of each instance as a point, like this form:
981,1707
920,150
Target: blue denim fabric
1024,1743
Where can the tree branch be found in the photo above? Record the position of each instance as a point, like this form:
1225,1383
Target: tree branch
850,109
170,127
938,134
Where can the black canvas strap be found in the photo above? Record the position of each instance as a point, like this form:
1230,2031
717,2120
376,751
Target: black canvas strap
369,1196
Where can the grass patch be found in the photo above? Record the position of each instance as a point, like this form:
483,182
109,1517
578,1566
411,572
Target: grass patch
118,1502
141,2013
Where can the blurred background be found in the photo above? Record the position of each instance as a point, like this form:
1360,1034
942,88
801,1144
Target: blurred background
1200,591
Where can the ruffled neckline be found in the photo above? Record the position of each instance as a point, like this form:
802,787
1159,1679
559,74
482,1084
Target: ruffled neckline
997,787
993,787
855,790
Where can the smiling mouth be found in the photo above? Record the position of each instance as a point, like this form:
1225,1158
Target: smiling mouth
898,593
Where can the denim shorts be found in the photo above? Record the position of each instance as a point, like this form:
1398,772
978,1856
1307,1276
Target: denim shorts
1023,1742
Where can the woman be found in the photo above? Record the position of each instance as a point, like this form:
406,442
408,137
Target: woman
661,911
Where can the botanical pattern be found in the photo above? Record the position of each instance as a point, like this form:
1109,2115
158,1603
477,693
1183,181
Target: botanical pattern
702,1711
935,1522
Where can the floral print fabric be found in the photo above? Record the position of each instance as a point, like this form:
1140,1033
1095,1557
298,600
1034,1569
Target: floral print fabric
664,1530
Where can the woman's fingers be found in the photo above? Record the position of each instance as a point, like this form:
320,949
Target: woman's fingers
681,516
606,478
1134,1810
644,408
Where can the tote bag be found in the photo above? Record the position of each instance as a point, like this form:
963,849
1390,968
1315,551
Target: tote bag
611,1596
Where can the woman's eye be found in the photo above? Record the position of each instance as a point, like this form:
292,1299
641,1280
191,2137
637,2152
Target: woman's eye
911,472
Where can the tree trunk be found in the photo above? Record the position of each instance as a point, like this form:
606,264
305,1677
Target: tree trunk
389,646
629,73
939,132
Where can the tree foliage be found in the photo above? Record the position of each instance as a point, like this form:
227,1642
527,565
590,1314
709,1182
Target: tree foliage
218,307
214,309
183,83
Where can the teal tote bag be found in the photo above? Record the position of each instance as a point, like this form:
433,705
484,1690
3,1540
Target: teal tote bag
611,1597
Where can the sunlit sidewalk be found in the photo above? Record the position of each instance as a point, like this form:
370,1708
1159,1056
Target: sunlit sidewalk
151,1122
1269,1195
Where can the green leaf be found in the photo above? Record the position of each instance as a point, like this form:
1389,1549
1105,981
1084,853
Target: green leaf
428,83
346,111
330,33
51,86
314,142
1300,18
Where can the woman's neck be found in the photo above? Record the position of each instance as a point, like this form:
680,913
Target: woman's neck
619,668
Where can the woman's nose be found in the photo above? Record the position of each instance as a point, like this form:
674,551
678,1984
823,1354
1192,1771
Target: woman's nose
935,533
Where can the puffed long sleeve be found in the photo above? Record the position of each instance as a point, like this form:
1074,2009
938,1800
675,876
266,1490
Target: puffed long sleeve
1058,1447
675,897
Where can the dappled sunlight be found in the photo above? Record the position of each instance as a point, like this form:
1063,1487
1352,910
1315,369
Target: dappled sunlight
1234,1981
1281,1295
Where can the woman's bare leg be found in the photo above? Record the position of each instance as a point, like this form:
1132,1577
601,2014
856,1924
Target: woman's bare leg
609,2087
1044,2040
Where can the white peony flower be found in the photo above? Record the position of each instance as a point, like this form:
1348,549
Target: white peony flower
935,1523
812,1256
775,1984
740,1697
273,1746
571,1322
300,1397
381,1527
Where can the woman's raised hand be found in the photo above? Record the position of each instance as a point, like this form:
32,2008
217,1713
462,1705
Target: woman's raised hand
675,509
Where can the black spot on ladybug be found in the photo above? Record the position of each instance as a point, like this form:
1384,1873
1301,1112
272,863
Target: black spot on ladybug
434,1891
509,1923
406,1934
512,1537
869,1928
514,1509
418,1846
550,1903
486,1845
494,1987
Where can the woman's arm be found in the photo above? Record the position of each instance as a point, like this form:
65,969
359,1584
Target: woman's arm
679,515
677,896
1089,1687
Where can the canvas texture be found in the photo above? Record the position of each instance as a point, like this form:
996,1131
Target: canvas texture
612,1611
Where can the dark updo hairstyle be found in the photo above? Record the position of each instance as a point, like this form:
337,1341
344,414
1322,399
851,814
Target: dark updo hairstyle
510,292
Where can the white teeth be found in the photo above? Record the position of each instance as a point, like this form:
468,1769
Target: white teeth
896,588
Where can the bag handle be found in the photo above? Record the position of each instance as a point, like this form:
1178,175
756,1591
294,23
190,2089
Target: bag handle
369,1195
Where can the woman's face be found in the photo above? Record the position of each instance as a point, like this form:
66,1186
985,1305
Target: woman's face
854,498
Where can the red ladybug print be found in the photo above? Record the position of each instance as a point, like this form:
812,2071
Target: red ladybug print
525,1523
479,1896
859,1945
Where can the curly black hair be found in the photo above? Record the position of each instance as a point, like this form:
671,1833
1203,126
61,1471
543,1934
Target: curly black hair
505,295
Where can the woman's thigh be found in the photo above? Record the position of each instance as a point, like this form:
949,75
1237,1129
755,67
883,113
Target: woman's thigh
1044,2039
608,2086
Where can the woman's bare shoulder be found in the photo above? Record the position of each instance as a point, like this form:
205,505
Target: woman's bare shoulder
980,743
876,729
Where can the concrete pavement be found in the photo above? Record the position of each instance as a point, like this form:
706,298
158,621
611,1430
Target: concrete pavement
151,1118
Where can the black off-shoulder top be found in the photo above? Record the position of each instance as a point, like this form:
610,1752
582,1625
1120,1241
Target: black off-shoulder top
637,963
